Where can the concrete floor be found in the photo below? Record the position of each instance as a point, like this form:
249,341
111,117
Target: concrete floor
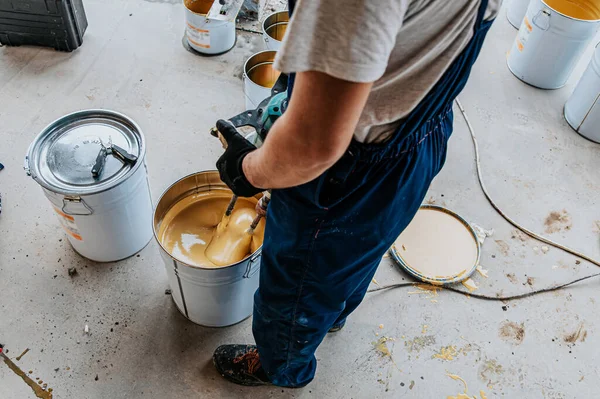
140,346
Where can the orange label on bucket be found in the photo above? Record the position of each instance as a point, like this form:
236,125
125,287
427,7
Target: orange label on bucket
68,224
197,37
520,45
527,24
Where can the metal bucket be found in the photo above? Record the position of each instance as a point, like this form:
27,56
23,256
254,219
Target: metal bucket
207,35
107,217
259,77
274,27
551,39
516,11
213,297
582,109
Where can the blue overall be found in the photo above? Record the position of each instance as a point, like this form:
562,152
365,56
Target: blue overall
325,239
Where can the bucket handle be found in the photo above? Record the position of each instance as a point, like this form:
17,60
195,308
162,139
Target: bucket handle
251,262
538,16
70,208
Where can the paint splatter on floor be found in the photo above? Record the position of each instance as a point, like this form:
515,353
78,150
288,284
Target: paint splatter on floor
465,393
483,272
419,342
429,291
381,346
470,285
447,353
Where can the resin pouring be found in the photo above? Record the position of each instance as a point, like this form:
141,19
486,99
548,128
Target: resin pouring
196,223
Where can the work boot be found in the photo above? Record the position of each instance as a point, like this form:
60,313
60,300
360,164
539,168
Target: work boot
337,327
240,364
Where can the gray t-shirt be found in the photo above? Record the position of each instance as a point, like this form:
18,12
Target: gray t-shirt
403,46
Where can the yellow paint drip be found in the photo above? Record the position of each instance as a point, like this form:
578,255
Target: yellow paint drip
482,271
458,378
465,394
470,285
37,390
424,329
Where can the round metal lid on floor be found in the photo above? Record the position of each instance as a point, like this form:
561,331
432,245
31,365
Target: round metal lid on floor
437,247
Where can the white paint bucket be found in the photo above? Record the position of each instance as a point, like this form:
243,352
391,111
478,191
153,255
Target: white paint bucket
204,34
108,217
551,39
438,247
516,11
259,77
582,109
274,27
213,297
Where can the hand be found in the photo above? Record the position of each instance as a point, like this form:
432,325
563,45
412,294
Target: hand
230,163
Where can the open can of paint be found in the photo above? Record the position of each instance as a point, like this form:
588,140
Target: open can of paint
259,77
106,214
205,34
516,11
438,247
213,297
274,27
582,109
553,36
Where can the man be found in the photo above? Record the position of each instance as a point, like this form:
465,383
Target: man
349,162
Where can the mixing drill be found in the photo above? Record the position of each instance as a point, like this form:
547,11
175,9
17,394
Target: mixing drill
261,119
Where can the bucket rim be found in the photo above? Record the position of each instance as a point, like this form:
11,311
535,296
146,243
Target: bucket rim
194,12
568,16
250,258
31,169
462,276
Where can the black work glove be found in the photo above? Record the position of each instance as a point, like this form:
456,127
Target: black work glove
230,163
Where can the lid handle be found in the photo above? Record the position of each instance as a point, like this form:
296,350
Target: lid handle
100,162
115,151
123,155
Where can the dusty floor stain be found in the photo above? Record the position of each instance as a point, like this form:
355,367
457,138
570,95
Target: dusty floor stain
579,335
418,343
490,371
558,221
512,332
519,235
503,247
512,278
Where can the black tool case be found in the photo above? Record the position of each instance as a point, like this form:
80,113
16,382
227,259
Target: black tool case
52,23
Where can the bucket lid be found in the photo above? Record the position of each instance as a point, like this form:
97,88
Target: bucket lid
438,246
62,156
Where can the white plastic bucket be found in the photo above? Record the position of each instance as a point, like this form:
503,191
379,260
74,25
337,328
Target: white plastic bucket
551,39
213,297
516,11
259,77
108,217
274,27
207,35
582,109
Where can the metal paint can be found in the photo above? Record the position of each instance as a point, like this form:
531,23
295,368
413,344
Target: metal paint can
213,297
204,34
516,11
429,239
582,109
551,39
259,77
274,27
107,217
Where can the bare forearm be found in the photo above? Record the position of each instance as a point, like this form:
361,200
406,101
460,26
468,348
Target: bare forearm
311,136
286,159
